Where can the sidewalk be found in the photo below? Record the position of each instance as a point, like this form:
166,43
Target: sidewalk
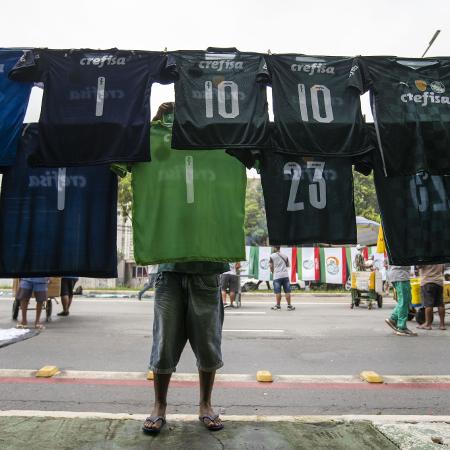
63,430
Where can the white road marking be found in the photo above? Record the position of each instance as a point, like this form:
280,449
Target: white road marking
247,313
377,419
256,331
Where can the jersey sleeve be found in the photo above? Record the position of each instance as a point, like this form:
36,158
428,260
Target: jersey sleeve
358,77
28,68
263,73
169,73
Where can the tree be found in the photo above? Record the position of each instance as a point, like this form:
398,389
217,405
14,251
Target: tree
366,203
255,214
125,197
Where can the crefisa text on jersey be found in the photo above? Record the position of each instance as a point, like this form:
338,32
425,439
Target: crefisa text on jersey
313,68
425,98
221,64
100,61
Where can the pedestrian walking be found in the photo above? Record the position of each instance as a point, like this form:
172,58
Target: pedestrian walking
67,285
27,286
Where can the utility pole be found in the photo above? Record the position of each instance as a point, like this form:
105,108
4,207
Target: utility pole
435,35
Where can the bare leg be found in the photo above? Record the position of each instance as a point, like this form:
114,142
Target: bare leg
70,302
278,299
232,297
224,297
161,386
206,387
288,298
65,303
38,312
24,308
441,310
428,319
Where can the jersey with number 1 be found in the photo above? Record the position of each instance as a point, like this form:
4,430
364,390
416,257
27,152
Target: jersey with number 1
308,200
95,108
220,100
316,111
188,205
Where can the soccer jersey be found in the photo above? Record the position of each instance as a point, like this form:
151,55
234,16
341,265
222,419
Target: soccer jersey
410,101
415,212
13,105
188,205
57,222
220,100
95,108
316,111
308,199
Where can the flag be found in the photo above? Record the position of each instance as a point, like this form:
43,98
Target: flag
308,263
289,253
333,265
259,263
245,264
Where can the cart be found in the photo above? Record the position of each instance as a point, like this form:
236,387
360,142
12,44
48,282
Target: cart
416,299
54,290
367,286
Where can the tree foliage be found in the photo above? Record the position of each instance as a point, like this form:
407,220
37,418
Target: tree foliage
366,203
255,214
125,196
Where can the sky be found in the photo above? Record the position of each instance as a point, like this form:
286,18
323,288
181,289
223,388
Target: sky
327,27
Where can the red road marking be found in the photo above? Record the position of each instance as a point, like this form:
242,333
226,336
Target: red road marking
231,384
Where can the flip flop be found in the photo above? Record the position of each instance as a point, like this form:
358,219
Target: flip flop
153,420
21,326
39,326
211,420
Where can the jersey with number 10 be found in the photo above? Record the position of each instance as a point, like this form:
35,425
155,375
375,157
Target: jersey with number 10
308,200
316,112
220,100
95,108
188,205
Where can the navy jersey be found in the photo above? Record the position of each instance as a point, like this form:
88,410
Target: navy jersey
13,105
308,200
220,100
415,212
95,108
410,101
57,221
316,111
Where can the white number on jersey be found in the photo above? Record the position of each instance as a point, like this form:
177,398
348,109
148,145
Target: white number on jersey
314,94
222,88
100,96
420,196
189,164
317,189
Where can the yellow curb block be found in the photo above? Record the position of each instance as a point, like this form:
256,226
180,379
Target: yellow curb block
47,371
264,376
150,375
371,377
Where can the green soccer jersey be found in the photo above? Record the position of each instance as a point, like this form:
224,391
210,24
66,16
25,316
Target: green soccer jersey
188,205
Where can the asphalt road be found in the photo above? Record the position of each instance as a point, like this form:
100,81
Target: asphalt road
323,336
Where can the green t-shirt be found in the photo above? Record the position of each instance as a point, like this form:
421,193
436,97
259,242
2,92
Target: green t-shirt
188,205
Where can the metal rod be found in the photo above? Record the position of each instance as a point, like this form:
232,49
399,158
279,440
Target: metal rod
435,35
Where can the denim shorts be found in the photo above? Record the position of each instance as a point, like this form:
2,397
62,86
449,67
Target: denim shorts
282,282
432,295
188,307
26,289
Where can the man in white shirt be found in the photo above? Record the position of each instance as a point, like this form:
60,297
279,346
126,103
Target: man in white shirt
279,264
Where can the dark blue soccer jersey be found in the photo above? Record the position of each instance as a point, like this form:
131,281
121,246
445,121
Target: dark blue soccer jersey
220,100
13,105
95,108
57,221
